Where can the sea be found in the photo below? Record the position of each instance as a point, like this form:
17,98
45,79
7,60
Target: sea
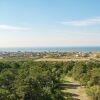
51,49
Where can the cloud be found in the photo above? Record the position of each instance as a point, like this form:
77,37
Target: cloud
9,27
85,22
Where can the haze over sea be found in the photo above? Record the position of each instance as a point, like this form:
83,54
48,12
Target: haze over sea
52,49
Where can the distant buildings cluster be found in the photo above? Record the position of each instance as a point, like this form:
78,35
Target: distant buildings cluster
48,54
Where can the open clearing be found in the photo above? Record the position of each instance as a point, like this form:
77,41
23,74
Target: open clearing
61,59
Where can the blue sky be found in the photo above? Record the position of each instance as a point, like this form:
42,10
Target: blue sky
40,23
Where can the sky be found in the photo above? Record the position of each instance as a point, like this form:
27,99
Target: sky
49,23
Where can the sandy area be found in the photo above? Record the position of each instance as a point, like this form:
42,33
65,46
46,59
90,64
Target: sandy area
61,59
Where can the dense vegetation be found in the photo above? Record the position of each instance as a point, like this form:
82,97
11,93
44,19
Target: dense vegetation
88,74
29,80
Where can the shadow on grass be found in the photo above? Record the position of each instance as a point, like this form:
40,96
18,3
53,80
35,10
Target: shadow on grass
68,85
68,95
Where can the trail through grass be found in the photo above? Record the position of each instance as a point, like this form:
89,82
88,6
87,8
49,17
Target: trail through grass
72,90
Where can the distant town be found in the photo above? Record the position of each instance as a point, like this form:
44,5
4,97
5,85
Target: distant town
49,54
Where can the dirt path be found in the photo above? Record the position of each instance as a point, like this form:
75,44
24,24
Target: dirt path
73,89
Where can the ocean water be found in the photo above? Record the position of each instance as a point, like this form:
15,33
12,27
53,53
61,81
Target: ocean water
47,49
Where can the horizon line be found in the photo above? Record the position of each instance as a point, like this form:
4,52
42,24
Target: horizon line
49,46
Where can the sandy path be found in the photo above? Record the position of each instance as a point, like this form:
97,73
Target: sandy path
61,59
74,89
